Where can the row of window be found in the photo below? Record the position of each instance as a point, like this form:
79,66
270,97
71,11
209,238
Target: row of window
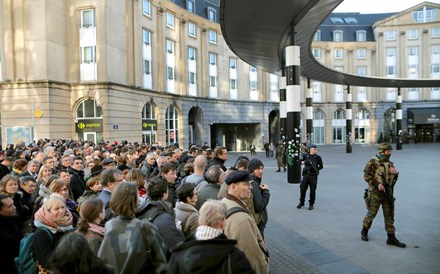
361,93
390,35
192,71
211,13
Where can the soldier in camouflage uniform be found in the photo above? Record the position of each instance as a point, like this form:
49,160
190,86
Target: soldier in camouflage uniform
280,156
380,174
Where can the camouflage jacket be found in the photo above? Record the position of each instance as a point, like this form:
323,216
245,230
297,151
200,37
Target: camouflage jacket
376,172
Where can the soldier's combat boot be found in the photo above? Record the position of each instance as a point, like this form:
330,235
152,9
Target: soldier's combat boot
278,170
284,169
393,241
364,234
311,207
300,205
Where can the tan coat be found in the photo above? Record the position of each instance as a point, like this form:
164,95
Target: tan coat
241,227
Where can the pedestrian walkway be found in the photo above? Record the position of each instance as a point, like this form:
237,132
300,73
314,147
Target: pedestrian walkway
327,239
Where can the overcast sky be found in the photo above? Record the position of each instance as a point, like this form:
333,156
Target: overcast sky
378,6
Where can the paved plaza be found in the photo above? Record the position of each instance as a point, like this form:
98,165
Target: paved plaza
327,239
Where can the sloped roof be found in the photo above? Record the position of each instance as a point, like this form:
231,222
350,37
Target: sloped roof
258,31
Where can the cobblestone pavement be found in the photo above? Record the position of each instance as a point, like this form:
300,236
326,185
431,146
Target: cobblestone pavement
327,239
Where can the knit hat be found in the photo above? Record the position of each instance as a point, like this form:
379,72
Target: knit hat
254,164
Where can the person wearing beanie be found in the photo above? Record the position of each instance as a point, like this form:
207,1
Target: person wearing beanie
259,199
381,176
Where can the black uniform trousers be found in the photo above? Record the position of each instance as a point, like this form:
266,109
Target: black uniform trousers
312,181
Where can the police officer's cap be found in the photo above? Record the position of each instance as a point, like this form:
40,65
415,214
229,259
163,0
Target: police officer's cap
312,146
383,147
237,176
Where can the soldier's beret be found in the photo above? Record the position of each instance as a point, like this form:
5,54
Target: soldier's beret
312,145
237,176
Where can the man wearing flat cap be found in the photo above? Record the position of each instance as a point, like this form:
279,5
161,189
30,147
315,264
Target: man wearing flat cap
240,225
312,165
109,163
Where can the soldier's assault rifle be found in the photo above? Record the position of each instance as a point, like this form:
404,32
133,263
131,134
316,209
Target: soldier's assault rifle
389,189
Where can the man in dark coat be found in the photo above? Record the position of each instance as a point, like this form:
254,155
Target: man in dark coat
220,157
77,184
312,165
10,234
4,166
159,212
208,250
259,199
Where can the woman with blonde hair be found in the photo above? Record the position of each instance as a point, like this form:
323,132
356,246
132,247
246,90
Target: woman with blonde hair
130,245
60,186
43,174
52,221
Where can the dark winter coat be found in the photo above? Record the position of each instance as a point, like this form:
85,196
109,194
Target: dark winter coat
208,256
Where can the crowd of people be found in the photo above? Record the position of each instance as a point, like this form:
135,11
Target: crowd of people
132,208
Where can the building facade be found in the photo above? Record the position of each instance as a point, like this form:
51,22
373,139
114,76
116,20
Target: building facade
391,45
160,71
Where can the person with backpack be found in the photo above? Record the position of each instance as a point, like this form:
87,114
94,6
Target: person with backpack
240,224
158,211
10,234
52,221
130,245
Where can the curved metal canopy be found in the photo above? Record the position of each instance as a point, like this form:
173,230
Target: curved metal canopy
257,31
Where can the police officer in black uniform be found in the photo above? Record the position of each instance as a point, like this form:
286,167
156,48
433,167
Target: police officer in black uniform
312,165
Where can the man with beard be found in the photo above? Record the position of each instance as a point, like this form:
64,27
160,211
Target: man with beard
260,194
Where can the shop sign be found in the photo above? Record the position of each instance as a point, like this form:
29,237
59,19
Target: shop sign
149,124
433,119
89,125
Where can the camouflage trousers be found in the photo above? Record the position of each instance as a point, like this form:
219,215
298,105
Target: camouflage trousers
280,162
374,199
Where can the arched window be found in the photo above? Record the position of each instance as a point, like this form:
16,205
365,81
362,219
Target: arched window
88,109
149,124
172,125
339,127
89,121
318,127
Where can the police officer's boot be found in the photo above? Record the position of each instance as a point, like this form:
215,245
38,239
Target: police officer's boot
364,234
300,205
393,241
